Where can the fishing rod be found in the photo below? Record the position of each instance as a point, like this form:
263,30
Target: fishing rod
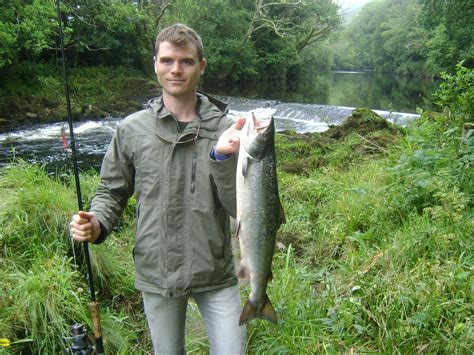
93,305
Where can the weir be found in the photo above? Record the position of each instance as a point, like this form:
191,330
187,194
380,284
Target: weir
43,143
306,117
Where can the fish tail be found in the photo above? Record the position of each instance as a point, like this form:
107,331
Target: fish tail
251,311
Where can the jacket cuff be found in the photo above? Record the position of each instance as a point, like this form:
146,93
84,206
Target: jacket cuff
102,235
219,157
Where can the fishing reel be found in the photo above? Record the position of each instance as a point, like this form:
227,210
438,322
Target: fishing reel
80,344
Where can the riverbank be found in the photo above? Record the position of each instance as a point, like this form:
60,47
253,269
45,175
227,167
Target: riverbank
375,255
95,92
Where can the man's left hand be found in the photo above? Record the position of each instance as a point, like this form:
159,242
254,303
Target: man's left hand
229,141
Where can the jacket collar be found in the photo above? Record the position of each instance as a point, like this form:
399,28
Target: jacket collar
208,107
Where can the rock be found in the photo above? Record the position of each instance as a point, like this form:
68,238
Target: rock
281,246
31,115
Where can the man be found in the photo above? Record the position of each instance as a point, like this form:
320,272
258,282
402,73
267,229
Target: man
177,157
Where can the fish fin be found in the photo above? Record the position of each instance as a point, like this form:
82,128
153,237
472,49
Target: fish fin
245,163
250,311
243,271
281,213
268,312
254,119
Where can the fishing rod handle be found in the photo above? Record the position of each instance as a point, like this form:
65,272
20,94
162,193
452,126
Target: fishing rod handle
99,343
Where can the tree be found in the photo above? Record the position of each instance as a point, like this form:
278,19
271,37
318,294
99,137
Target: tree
277,31
449,26
27,29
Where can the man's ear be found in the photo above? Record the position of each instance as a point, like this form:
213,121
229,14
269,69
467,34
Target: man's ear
202,65
154,65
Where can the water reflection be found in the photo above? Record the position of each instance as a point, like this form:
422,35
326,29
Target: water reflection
377,91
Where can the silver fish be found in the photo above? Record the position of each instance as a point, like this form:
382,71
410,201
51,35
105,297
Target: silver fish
259,214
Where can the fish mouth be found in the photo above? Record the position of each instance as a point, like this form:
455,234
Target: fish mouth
261,125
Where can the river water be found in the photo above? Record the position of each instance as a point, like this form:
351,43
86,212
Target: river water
303,109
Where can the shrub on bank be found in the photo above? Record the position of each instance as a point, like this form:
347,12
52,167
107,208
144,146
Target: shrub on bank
95,92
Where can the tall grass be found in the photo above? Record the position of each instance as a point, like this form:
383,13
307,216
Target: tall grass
43,290
378,259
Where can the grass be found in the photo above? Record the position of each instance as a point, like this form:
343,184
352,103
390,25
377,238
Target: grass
43,292
378,251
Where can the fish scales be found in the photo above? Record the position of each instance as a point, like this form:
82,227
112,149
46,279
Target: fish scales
259,214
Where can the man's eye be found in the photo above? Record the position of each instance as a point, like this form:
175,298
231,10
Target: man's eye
166,60
188,62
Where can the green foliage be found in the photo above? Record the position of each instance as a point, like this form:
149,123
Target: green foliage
36,30
108,32
435,168
7,41
384,36
449,25
440,49
26,30
413,37
456,93
361,135
244,40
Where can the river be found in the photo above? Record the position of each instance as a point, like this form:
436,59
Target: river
377,91
311,104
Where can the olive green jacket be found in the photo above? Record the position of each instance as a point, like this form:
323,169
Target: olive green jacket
184,197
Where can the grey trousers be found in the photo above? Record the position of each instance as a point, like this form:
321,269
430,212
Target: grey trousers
220,310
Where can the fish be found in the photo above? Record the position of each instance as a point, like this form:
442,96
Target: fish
259,214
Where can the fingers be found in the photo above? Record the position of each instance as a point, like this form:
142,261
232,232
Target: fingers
85,215
239,123
81,227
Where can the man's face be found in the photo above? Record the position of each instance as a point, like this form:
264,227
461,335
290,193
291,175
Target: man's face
178,69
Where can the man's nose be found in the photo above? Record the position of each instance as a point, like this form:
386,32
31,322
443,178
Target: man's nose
176,69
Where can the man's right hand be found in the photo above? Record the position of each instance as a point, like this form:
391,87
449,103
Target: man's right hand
85,227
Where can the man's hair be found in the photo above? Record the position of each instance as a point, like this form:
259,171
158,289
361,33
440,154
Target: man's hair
180,35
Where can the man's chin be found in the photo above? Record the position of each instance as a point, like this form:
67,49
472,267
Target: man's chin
178,92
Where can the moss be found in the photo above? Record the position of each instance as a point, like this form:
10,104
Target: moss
363,134
363,121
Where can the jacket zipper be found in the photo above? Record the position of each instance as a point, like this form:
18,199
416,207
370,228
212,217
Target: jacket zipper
193,171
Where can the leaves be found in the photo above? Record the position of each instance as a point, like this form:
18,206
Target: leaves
413,37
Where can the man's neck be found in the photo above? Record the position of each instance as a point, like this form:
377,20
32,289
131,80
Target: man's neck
183,108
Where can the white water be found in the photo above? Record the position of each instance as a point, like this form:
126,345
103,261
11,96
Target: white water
44,144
